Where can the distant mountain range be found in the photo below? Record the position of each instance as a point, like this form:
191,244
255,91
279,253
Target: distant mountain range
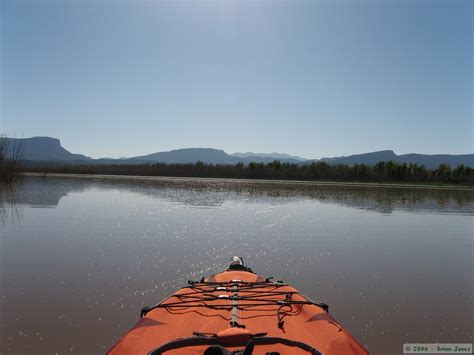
49,150
270,155
428,160
189,155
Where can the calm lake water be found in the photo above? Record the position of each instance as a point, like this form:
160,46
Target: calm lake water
81,256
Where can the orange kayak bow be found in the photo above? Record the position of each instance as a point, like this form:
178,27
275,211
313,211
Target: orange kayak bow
237,312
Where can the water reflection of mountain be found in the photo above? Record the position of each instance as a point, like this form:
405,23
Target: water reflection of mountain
47,192
40,192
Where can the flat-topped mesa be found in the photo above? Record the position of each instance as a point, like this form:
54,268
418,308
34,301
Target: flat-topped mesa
46,149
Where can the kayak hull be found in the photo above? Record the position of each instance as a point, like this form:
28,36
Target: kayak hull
229,309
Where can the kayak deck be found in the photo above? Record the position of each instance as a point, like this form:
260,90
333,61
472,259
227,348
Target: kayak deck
237,310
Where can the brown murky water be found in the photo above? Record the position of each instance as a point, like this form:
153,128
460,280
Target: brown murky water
81,257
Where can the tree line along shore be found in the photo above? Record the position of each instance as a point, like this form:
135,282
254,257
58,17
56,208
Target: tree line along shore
317,171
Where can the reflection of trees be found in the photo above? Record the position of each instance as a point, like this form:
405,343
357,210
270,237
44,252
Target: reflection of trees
47,192
382,199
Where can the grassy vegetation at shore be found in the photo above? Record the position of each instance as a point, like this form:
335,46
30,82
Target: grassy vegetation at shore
382,172
10,162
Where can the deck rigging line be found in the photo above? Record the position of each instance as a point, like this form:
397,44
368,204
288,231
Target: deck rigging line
243,296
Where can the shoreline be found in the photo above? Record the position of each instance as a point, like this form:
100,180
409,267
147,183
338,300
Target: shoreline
255,181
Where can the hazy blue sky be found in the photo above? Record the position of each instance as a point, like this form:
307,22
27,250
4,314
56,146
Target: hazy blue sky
313,78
